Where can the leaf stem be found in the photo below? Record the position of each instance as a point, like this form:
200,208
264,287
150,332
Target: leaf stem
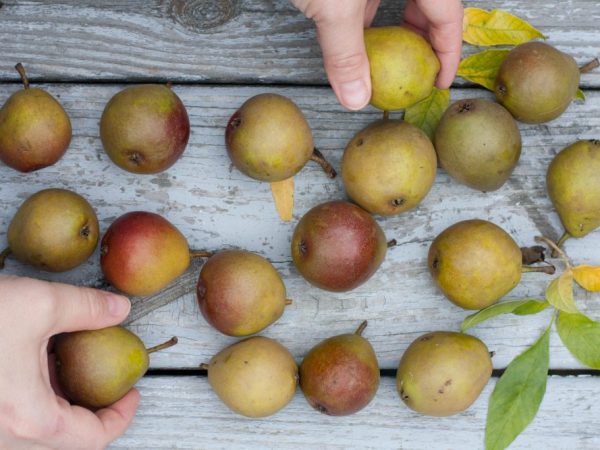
563,256
566,235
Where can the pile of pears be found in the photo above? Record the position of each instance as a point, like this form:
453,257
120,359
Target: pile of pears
387,168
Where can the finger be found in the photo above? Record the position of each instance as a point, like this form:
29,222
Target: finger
345,57
81,428
370,12
446,40
78,308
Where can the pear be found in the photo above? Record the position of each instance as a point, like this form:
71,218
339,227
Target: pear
536,82
95,368
573,182
443,373
478,143
337,246
35,130
145,129
142,252
475,263
403,65
255,377
389,167
54,230
240,293
340,375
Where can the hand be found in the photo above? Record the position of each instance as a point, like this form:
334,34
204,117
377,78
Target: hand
340,33
32,415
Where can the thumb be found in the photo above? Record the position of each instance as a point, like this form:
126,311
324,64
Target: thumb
345,57
78,308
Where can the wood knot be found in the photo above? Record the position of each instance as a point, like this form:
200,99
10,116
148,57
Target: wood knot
200,15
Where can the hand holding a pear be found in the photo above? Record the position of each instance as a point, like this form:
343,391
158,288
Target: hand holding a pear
340,33
33,410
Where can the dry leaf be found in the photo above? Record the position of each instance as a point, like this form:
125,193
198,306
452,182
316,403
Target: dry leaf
283,195
482,68
560,293
427,113
497,27
588,277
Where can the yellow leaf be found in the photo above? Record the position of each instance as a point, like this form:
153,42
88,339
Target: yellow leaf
560,293
481,27
482,68
427,113
588,277
283,195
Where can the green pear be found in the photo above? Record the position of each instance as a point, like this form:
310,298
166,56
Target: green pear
573,182
340,375
443,373
95,368
54,230
404,67
255,377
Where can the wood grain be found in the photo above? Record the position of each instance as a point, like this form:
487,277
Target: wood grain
217,207
182,412
221,41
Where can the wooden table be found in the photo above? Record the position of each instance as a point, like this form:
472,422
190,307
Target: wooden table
217,54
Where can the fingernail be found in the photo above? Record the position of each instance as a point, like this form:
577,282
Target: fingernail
118,305
354,94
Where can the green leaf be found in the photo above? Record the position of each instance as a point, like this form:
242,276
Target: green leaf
520,307
560,293
497,27
579,95
427,113
482,68
581,336
518,394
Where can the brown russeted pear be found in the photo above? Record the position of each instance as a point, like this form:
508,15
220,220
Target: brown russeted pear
35,130
54,230
536,82
403,65
573,183
340,375
337,246
443,373
255,377
240,293
475,263
269,139
145,129
478,143
95,368
142,252
389,167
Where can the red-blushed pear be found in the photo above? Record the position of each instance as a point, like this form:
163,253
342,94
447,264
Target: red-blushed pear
337,246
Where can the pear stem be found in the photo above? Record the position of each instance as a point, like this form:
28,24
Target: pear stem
23,75
7,251
556,249
361,328
594,63
288,301
170,84
386,115
204,366
170,343
318,157
392,243
560,243
200,254
549,269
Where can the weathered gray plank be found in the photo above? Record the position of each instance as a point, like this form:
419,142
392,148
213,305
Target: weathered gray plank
217,207
182,412
249,41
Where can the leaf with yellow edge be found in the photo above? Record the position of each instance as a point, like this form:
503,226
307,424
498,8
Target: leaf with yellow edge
497,27
482,68
579,95
283,195
588,277
427,113
560,293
